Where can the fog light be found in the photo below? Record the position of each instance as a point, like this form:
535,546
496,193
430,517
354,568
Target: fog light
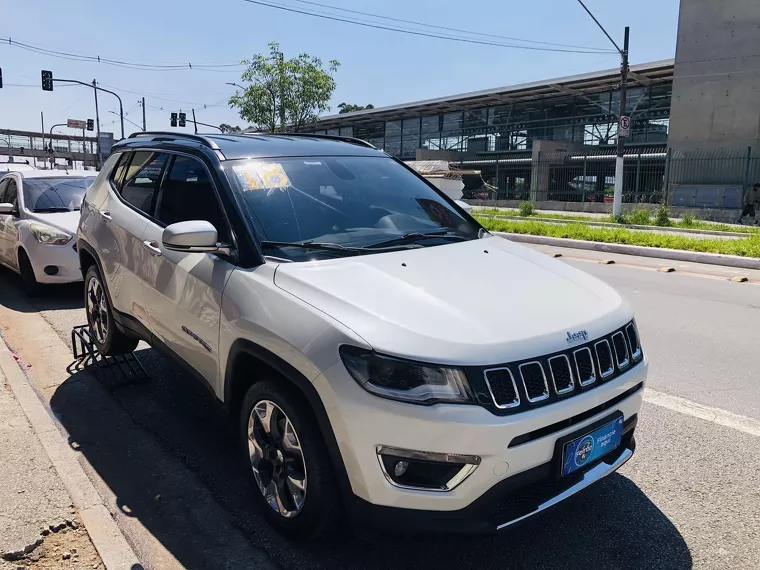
425,470
400,468
51,269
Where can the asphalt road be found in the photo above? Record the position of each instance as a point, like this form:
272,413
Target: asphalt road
690,497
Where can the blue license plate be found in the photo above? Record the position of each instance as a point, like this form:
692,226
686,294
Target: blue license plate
585,449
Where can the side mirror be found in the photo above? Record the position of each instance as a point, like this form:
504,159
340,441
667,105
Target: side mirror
197,236
6,208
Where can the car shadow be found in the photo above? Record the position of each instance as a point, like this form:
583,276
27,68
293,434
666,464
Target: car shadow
46,298
167,453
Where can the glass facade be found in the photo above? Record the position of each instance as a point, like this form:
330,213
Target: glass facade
588,118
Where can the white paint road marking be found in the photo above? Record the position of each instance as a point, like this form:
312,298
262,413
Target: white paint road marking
714,415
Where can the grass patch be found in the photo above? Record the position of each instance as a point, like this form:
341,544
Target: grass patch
688,220
745,247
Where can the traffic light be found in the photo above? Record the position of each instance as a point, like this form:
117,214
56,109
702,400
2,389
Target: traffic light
90,124
182,122
173,119
47,80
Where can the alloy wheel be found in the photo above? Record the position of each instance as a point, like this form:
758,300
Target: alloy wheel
277,458
97,310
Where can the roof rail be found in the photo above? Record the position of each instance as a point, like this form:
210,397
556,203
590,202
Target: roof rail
205,141
350,140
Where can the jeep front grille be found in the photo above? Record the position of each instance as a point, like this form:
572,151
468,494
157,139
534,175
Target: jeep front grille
604,358
534,381
562,375
517,386
501,385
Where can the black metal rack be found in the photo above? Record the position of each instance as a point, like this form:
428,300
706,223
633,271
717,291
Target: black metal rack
115,371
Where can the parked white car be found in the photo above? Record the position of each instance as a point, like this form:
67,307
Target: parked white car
382,353
39,214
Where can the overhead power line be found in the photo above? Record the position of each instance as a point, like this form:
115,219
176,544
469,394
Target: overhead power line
391,28
476,33
217,67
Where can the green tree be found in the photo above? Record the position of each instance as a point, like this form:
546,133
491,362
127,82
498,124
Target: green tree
225,128
284,94
349,108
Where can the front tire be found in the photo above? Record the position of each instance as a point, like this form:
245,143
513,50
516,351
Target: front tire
25,269
290,468
107,338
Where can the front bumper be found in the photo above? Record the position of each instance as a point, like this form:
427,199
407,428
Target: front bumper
362,421
64,257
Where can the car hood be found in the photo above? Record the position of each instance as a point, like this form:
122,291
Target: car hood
66,221
484,301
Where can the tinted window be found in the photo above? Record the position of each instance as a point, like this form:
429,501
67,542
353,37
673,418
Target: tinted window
142,179
351,201
55,194
187,194
11,193
120,170
3,186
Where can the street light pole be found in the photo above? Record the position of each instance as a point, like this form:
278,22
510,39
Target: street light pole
97,125
623,119
143,108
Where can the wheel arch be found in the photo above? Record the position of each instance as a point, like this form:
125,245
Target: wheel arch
249,363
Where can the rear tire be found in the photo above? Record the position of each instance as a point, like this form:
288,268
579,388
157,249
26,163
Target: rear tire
25,269
308,503
107,338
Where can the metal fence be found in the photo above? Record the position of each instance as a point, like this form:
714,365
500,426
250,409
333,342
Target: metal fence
652,175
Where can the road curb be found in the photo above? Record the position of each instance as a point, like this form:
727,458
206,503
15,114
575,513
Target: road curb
641,251
108,540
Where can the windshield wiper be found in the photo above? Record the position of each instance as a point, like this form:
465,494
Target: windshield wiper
312,245
52,210
412,237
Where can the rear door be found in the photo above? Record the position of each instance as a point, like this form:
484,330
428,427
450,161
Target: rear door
184,290
123,217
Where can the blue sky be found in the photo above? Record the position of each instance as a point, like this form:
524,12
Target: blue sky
379,67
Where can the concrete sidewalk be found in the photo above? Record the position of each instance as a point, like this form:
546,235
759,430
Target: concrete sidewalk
39,527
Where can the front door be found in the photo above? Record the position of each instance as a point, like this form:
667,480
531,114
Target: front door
184,290
8,231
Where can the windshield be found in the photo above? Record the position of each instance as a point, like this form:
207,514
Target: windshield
362,204
55,194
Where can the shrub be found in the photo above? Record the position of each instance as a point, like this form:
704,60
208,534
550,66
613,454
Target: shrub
640,217
687,220
662,217
526,209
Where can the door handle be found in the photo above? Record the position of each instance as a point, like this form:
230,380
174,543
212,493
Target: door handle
152,247
106,215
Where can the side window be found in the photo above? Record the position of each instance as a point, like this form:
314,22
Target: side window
141,181
187,194
11,193
3,186
117,176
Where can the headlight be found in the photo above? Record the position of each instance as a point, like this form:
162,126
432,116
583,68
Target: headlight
48,234
404,380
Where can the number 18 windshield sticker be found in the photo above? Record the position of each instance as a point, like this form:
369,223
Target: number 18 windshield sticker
269,176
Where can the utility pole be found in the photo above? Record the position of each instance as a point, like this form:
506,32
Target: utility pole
624,121
282,90
195,123
97,124
84,150
44,158
143,108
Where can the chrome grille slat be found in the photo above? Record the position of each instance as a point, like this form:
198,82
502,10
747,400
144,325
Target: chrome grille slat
584,366
532,382
502,387
562,374
633,340
604,358
621,350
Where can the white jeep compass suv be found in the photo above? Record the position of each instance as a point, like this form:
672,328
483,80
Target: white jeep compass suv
385,356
